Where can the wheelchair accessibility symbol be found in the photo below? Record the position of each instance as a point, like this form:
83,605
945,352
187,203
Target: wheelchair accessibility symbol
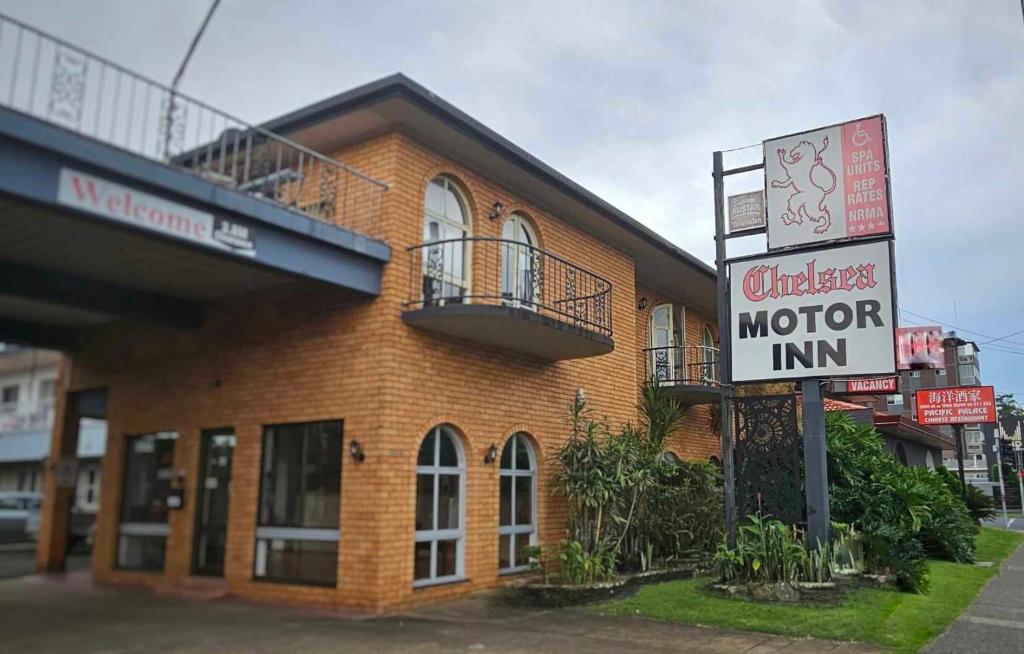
860,138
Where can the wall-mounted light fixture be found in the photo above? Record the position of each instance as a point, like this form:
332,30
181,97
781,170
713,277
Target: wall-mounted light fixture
497,209
642,304
492,454
581,395
356,450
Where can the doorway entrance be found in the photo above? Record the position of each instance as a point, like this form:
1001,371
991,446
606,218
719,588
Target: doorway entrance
213,496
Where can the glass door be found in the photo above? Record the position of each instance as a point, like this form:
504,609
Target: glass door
213,497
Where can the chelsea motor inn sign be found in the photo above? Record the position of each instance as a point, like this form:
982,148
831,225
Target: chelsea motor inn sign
814,313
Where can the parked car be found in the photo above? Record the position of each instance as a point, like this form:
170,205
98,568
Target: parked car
19,515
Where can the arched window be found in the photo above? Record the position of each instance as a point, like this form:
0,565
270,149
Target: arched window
445,230
440,501
901,454
519,284
665,355
709,356
929,460
517,506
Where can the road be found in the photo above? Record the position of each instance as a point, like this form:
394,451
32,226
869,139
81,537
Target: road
19,559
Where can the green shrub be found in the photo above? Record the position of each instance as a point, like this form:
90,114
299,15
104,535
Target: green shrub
904,514
626,499
979,505
769,552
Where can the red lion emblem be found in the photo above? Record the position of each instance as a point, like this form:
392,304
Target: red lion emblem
802,163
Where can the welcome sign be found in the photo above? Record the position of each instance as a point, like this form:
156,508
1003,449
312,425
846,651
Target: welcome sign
130,206
816,313
827,184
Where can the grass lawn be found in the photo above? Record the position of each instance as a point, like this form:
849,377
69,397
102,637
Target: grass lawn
900,620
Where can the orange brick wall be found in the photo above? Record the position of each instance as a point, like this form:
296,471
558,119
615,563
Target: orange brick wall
301,354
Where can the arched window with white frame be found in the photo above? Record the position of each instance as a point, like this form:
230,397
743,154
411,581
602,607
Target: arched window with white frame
517,505
665,353
709,356
438,552
445,230
519,285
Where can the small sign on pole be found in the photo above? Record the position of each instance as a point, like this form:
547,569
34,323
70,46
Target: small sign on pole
956,405
827,184
876,385
746,211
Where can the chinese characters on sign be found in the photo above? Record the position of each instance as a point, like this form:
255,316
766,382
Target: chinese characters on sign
956,405
920,347
827,184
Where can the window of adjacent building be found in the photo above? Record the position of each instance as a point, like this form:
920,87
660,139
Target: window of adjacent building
445,230
46,388
300,500
440,500
88,489
9,398
519,283
517,504
148,472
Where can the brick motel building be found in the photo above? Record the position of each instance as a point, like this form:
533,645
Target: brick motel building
363,417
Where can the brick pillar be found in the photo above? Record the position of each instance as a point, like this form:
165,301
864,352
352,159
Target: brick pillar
52,546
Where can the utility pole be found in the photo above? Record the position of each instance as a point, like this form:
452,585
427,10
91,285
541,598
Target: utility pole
169,116
997,446
958,430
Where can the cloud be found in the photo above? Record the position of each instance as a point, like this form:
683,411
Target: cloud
631,98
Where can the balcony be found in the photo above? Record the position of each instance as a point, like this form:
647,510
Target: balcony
510,295
62,84
688,372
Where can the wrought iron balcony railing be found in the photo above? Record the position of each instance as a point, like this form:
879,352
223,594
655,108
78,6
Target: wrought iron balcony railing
508,273
53,80
682,365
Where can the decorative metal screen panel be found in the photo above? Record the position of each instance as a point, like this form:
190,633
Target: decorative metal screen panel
768,458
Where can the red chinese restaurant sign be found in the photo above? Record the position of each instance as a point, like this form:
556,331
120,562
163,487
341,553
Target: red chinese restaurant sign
956,405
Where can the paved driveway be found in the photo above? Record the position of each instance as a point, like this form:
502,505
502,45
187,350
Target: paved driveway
67,614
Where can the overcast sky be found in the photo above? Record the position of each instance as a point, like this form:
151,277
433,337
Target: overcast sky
630,99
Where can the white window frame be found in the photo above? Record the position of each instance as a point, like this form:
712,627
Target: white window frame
672,351
519,223
709,371
513,530
464,227
433,536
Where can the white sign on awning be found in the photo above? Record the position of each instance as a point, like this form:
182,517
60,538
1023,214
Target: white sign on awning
816,313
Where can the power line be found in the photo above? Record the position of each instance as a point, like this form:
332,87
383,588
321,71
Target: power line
964,329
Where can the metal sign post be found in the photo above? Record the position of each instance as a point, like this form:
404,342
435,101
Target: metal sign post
724,368
815,463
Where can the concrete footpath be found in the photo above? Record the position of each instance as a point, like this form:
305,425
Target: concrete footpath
994,623
44,614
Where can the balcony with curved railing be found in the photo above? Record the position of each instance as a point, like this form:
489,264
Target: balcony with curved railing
689,372
511,295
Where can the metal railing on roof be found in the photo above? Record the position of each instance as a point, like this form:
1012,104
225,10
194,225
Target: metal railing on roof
51,79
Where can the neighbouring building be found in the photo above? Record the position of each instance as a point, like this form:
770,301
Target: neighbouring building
28,379
912,444
337,384
962,368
